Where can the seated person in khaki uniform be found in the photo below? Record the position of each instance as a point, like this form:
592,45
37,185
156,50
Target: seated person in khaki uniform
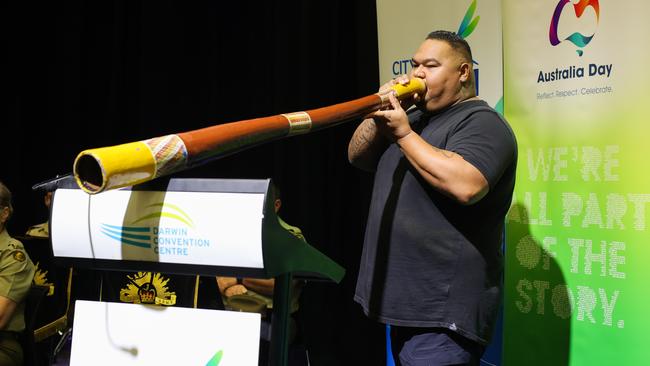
254,294
41,230
16,273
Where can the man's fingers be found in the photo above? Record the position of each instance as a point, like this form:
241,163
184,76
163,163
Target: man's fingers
379,113
394,102
402,79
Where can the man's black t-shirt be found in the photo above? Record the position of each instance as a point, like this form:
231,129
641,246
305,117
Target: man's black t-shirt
427,260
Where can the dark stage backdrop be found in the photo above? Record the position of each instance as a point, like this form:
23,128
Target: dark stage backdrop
98,73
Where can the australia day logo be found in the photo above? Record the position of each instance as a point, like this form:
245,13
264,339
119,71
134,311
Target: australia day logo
577,38
175,237
565,72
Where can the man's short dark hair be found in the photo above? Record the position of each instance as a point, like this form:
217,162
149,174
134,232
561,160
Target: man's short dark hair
455,41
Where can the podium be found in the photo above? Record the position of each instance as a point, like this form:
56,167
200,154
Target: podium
211,227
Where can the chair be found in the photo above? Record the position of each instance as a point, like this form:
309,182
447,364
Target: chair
33,300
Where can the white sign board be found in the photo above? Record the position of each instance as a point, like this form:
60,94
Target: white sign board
107,333
203,228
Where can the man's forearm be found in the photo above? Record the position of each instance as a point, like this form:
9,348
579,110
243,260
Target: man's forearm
7,308
444,170
366,146
261,286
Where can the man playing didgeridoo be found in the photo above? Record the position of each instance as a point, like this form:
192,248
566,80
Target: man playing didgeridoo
432,262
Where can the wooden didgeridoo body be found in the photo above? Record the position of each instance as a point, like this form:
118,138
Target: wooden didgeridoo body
101,169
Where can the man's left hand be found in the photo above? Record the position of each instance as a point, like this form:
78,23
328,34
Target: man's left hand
392,123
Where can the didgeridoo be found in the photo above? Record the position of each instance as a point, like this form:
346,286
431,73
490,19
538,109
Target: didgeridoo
101,169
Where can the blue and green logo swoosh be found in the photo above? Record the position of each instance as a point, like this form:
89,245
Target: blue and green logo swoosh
468,24
166,210
141,236
214,361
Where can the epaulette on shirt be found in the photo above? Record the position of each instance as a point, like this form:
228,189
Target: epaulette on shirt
296,232
292,229
17,251
38,231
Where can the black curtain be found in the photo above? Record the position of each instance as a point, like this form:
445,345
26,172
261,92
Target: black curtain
98,73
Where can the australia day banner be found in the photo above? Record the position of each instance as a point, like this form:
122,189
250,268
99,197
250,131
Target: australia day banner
403,25
578,253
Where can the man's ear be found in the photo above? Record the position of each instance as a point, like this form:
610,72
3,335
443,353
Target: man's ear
465,72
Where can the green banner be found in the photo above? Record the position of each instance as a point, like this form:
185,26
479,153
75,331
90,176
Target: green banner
577,254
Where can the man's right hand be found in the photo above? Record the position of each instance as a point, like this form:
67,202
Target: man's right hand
403,80
235,290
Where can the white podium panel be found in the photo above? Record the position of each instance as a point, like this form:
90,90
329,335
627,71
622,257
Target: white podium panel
199,228
128,334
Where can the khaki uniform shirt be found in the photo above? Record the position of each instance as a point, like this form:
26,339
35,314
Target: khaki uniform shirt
39,231
16,273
